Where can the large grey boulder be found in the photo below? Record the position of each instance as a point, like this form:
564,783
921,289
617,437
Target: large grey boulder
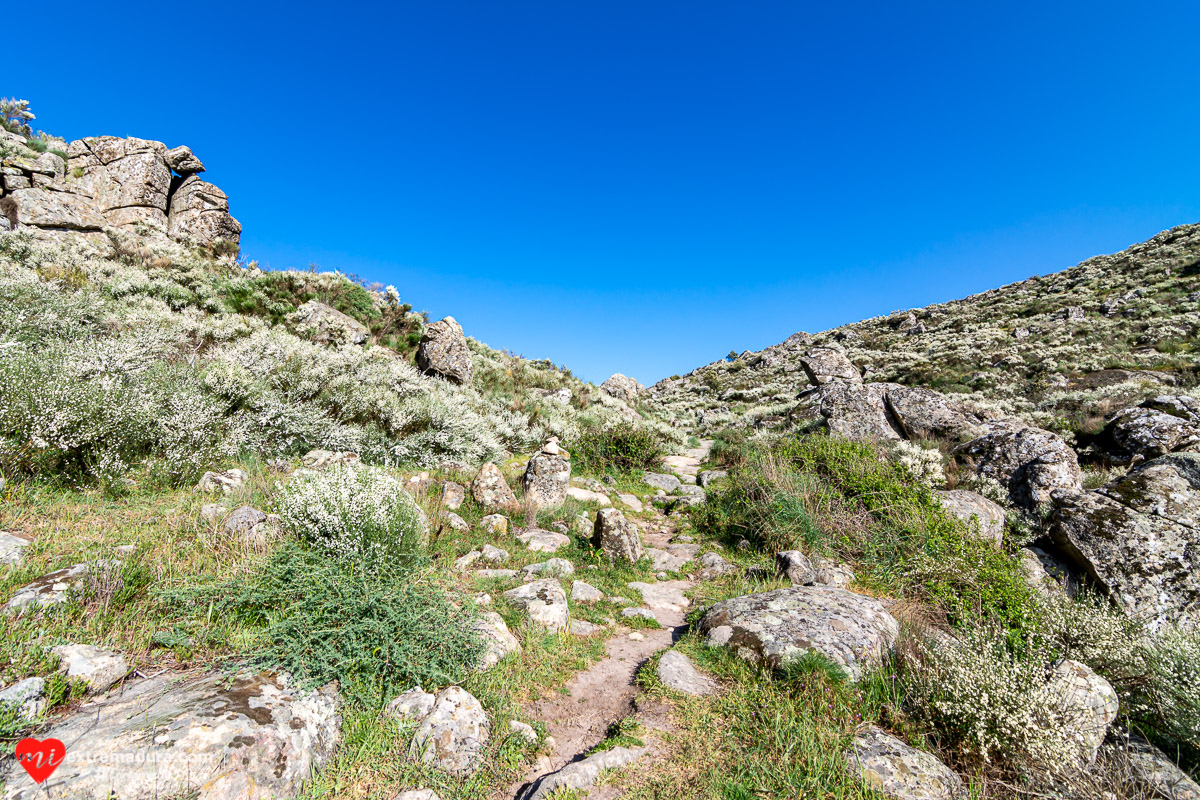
856,411
252,736
616,536
326,325
829,364
622,387
896,770
981,515
128,179
491,491
45,208
776,627
922,413
661,480
1138,537
443,351
452,728
1029,462
1086,705
547,478
544,601
1158,426
200,211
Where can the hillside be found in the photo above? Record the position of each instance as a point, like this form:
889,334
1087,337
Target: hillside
273,534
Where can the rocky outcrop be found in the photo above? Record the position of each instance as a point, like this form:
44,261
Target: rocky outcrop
1029,462
617,536
252,737
199,211
622,387
1161,425
547,478
856,411
829,364
1138,537
491,491
981,515
444,352
326,325
922,413
896,770
852,631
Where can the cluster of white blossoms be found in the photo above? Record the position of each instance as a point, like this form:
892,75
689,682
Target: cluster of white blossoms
924,463
352,512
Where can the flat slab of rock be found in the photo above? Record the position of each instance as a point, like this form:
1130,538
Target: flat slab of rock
662,596
851,630
899,771
631,501
665,560
588,496
99,668
544,601
51,589
581,774
256,736
551,568
12,548
668,483
677,672
541,541
585,593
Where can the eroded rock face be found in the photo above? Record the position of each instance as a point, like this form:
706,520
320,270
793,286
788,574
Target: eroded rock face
617,536
825,365
326,325
1161,425
547,478
258,737
922,413
128,179
498,640
183,161
200,211
491,491
443,351
1087,705
622,387
452,729
897,770
856,411
1138,537
544,601
775,627
1030,462
979,513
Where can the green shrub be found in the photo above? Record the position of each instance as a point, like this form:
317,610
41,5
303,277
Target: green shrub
623,447
376,629
354,513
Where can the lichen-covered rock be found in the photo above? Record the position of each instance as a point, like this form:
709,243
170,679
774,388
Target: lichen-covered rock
706,477
183,161
497,639
622,387
96,667
544,601
1087,705
547,478
224,482
554,567
252,737
52,589
491,491
43,208
795,566
714,565
1031,463
494,523
617,536
585,593
1161,425
326,325
321,459
891,767
453,733
250,526
26,698
128,178
922,413
443,351
775,627
660,480
980,514
453,495
1154,771
580,774
541,541
200,212
856,411
1138,537
829,364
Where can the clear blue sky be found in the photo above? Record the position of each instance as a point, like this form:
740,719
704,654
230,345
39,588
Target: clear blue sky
641,187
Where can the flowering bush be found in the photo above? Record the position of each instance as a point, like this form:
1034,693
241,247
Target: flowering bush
354,513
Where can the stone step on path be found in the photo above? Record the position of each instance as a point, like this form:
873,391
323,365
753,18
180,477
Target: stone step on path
687,466
579,717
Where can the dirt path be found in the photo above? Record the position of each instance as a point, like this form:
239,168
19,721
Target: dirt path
579,717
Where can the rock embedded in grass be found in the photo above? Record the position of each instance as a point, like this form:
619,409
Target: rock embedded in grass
453,734
616,536
896,770
12,548
453,495
98,668
494,523
585,593
491,491
981,515
27,696
544,601
541,541
677,672
580,774
497,639
659,480
224,482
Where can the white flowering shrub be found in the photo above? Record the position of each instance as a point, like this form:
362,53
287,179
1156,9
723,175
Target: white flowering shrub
353,512
925,464
1171,697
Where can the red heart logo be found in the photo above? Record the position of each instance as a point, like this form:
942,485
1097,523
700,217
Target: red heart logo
40,759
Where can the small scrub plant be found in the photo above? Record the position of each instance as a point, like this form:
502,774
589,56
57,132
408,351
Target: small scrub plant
354,513
15,116
623,447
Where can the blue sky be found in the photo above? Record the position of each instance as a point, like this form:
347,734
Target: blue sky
642,187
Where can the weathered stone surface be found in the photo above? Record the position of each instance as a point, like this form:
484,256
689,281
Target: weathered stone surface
1030,462
1161,425
51,589
581,627
980,514
443,351
42,208
668,483
541,541
643,613
677,672
922,413
494,523
128,179
1154,771
851,630
707,476
891,767
495,555
856,411
580,774
28,696
491,491
795,566
829,364
587,496
98,668
453,733
622,387
418,794
326,325
547,478
551,568
544,601
224,482
585,593
321,459
1138,537
1087,705
456,522
664,560
250,526
200,211
256,737
453,495
617,536
831,573
714,565
665,596
631,502
497,639
12,548
183,161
